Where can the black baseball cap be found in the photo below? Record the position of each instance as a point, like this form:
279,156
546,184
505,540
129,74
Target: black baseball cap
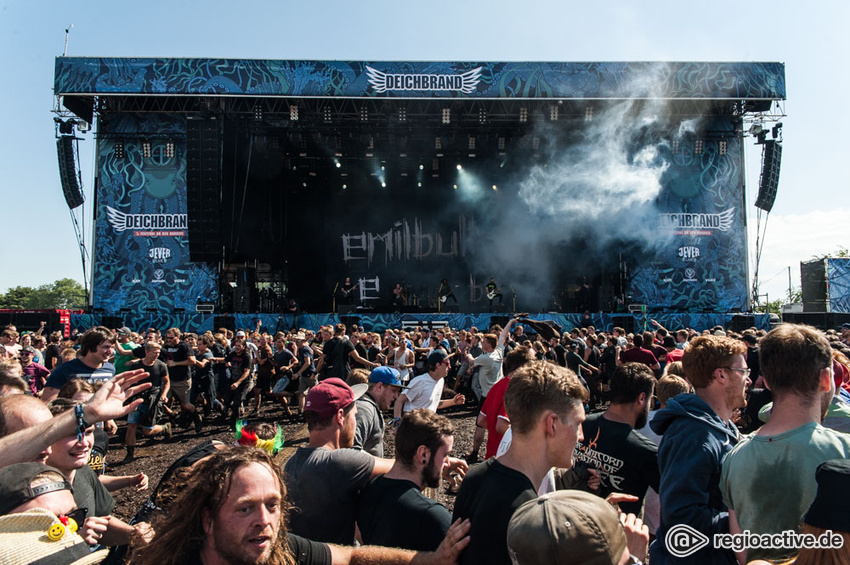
16,481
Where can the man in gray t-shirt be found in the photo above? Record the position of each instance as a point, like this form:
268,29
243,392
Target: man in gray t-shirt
384,388
324,479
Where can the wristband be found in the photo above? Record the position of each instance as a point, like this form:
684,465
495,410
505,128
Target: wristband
395,422
82,425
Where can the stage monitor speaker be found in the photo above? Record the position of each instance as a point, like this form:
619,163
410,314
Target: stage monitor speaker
203,185
741,322
68,172
625,322
112,322
499,320
226,322
814,289
344,309
349,321
451,308
769,182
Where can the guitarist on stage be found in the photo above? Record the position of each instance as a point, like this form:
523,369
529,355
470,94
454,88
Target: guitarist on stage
446,292
347,291
493,291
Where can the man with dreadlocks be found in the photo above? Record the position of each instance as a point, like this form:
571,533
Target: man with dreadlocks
260,434
229,511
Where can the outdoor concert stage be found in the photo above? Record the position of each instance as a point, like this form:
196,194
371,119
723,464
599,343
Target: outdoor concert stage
231,186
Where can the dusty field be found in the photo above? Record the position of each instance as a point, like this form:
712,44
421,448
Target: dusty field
153,457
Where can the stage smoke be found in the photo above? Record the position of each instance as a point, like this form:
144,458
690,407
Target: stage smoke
579,204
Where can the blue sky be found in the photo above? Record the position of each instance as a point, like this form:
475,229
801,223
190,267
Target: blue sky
810,38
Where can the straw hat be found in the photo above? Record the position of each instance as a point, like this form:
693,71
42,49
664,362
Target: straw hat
28,537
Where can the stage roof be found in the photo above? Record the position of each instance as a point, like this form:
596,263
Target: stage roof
105,76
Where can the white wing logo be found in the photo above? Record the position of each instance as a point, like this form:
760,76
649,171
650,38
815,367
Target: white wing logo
117,218
377,79
726,219
470,80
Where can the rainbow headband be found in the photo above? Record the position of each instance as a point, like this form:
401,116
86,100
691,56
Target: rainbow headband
249,438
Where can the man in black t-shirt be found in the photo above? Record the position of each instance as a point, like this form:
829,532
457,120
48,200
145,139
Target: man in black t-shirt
145,417
391,503
337,355
240,363
53,353
179,357
624,460
545,404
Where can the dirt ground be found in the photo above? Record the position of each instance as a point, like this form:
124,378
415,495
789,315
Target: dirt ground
154,456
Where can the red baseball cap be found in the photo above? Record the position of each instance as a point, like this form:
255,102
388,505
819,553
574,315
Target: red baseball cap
331,395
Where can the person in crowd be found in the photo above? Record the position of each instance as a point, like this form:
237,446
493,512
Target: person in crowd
11,381
622,459
569,526
489,366
545,404
240,518
697,432
97,346
384,389
638,354
33,373
426,390
146,417
796,363
392,510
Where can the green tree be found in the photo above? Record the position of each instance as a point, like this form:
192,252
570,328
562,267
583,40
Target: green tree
62,294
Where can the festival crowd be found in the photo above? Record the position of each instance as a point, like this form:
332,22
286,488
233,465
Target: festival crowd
589,446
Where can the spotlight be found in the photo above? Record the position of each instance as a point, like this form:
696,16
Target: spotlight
588,114
722,147
523,115
293,112
364,114
438,143
326,114
482,116
501,143
402,114
455,187
675,146
459,167
553,113
338,164
471,142
421,167
419,184
344,186
383,168
119,149
698,147
447,115
495,187
384,185
169,149
258,112
146,149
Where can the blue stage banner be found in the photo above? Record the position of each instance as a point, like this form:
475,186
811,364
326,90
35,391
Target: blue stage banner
141,257
251,77
272,323
838,275
702,265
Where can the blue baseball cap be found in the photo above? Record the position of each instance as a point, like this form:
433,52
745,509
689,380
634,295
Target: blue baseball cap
386,375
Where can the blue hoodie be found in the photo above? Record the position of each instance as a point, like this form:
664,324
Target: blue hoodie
694,441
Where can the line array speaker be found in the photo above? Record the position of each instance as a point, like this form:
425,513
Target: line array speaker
203,184
68,172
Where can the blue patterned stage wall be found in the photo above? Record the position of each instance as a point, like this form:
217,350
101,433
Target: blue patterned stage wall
379,322
838,275
703,266
142,242
250,77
